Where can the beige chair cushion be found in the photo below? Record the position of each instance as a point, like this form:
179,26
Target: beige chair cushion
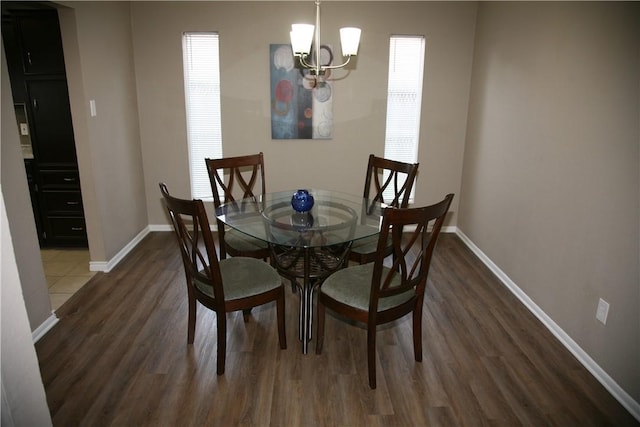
243,277
352,286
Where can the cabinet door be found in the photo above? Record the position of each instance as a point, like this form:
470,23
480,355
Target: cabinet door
41,43
14,60
52,137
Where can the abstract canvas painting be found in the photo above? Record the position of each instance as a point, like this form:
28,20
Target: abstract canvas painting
301,104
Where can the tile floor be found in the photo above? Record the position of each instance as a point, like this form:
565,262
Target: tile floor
66,270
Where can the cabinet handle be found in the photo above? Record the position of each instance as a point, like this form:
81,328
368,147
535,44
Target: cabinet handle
29,58
68,179
73,203
77,228
35,104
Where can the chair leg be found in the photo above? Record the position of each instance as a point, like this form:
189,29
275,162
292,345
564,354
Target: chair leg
371,354
320,321
417,332
221,319
191,322
282,334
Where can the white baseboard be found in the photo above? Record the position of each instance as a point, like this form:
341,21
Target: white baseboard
160,227
107,266
169,227
609,383
41,330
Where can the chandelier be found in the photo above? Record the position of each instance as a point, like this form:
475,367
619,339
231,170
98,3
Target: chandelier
302,35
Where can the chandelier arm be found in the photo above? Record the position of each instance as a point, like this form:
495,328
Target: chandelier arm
333,67
305,64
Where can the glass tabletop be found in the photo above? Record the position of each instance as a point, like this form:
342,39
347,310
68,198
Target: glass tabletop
335,218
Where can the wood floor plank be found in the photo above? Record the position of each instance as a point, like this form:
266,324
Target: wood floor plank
119,357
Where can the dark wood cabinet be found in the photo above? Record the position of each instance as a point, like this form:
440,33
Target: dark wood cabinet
33,47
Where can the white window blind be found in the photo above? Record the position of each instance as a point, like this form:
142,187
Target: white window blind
404,98
202,95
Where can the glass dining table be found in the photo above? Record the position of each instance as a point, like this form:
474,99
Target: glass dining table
305,247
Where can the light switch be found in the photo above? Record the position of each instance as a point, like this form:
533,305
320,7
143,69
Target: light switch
24,129
92,107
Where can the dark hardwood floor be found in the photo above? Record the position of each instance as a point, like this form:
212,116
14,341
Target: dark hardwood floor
119,357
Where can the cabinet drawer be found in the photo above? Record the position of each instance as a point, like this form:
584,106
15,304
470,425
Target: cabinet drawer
67,227
60,179
62,202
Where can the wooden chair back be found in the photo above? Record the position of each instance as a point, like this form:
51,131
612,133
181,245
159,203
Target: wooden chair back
406,229
234,179
196,242
383,174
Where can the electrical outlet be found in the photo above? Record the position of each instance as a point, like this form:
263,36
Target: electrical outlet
24,129
603,311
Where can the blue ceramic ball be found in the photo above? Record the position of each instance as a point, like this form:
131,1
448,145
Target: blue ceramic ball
302,201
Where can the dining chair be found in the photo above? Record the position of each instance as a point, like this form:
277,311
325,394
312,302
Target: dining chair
389,182
375,293
232,180
232,284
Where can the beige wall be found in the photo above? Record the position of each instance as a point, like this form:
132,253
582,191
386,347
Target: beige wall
13,182
551,170
98,55
23,398
21,286
246,29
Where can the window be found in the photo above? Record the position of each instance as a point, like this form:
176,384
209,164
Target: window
404,98
202,95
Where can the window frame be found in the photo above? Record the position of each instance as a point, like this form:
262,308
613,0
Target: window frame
403,121
202,106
